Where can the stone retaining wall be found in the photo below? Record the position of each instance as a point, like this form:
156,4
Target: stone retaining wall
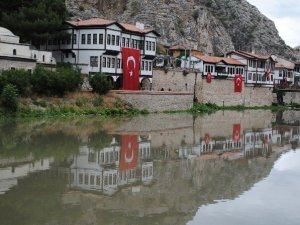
219,91
156,101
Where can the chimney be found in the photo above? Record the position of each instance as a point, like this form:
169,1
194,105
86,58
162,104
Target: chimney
140,25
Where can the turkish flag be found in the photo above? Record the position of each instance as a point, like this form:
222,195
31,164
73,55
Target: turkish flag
238,83
206,139
268,73
131,68
208,78
236,133
129,152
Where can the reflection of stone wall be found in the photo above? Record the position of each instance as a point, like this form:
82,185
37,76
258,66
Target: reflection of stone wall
221,123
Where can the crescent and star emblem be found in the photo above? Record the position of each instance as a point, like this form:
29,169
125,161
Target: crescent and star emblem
131,58
129,159
238,81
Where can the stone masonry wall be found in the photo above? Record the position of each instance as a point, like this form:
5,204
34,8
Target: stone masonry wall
157,101
219,91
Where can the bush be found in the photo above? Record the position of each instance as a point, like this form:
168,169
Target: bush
9,98
100,83
19,78
50,83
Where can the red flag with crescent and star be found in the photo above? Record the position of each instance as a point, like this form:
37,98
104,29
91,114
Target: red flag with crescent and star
268,73
131,68
238,83
236,133
208,77
129,152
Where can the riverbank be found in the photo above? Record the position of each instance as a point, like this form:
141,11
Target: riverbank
88,103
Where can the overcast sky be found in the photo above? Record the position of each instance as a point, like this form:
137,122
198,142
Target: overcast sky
285,14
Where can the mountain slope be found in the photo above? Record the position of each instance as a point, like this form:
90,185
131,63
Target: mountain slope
213,26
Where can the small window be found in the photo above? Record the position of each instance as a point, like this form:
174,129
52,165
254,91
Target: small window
14,52
89,39
118,41
94,61
108,39
94,39
34,56
104,62
74,39
83,39
108,62
101,39
123,42
67,55
113,40
43,58
119,63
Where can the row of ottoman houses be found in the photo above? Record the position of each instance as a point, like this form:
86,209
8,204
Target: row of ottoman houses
95,45
104,170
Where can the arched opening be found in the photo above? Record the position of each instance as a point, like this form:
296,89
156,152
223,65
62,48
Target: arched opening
145,84
119,84
14,52
111,80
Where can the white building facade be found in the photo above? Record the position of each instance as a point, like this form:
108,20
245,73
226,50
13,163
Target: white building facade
95,45
256,67
16,55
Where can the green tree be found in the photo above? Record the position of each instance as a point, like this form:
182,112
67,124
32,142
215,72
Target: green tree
34,21
9,98
100,83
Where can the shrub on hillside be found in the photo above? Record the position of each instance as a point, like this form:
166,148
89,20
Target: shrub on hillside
100,83
20,78
9,98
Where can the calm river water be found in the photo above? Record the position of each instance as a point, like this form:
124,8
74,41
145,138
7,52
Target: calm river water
167,169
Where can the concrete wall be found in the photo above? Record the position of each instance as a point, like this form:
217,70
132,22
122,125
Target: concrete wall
217,91
291,97
157,101
6,64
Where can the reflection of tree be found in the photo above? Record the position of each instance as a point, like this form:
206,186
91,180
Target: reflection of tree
99,140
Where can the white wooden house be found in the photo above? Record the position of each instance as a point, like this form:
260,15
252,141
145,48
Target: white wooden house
95,45
219,67
257,67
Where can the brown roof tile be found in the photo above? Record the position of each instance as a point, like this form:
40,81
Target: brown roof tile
215,60
91,22
252,55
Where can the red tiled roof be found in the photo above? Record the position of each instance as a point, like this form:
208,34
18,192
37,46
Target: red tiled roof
215,60
282,66
133,28
104,22
91,22
252,55
178,47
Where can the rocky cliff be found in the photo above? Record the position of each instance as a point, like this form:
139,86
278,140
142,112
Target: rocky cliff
213,26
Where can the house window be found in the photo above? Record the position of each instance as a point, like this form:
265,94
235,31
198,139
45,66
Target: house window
104,62
108,62
280,73
146,65
69,41
250,76
113,62
83,39
94,39
142,43
132,43
118,41
119,63
127,42
67,55
143,65
101,39
153,46
74,39
113,40
94,61
147,45
43,58
108,39
14,52
150,66
34,56
89,39
254,77
208,68
123,42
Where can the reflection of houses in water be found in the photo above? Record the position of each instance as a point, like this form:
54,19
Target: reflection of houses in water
258,142
219,145
9,175
120,164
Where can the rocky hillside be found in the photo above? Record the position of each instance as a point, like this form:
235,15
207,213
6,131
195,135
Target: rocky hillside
213,26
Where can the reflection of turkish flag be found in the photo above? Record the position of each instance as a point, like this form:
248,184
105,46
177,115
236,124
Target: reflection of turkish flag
208,78
236,134
238,83
131,68
129,152
206,139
